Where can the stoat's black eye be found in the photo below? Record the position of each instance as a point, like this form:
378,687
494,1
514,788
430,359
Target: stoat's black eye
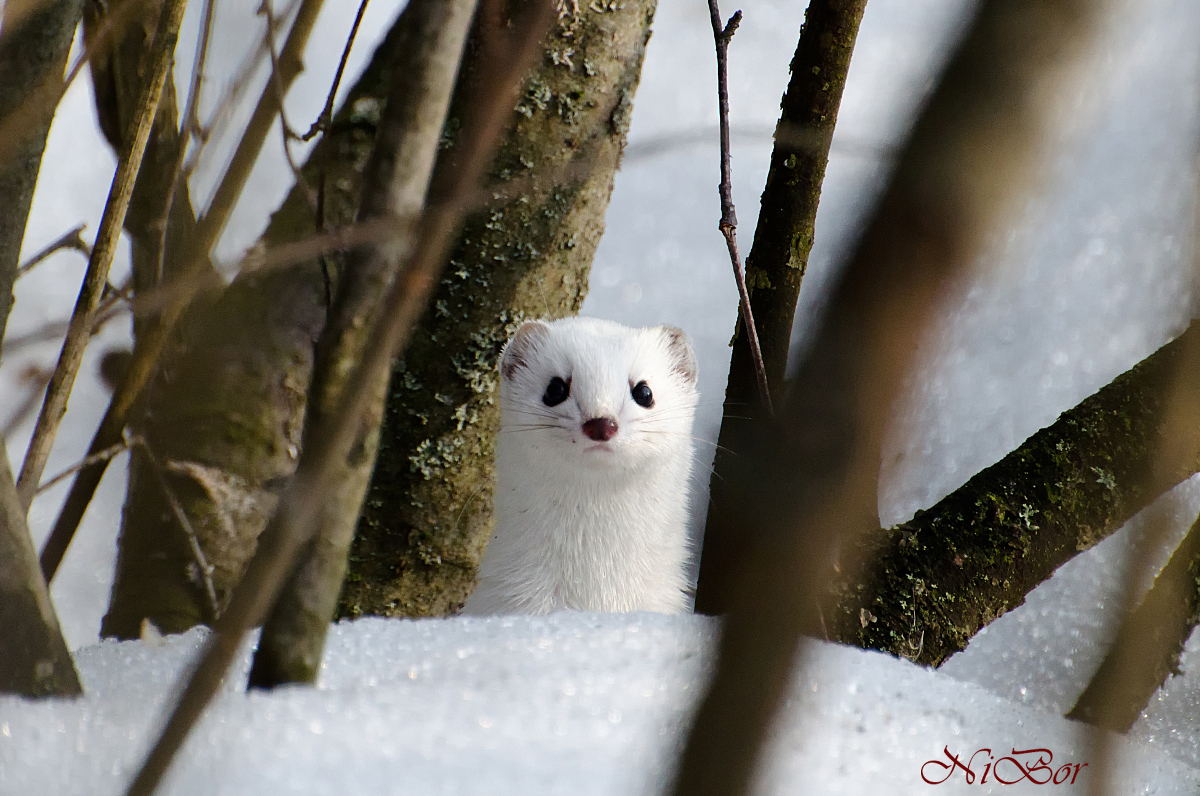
556,392
642,394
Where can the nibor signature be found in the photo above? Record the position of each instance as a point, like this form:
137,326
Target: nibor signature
1034,765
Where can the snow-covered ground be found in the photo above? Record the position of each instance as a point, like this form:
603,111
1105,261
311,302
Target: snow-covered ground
1092,276
576,704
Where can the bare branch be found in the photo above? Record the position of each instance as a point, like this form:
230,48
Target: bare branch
33,53
428,48
326,116
102,456
783,239
69,240
34,660
728,224
208,230
160,58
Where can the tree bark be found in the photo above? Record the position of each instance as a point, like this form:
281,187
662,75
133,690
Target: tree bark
935,580
229,448
428,513
34,660
33,54
427,51
775,267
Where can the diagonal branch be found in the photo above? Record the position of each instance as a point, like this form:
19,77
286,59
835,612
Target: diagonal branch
428,48
161,59
967,161
208,229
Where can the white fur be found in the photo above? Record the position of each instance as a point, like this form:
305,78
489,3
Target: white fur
579,527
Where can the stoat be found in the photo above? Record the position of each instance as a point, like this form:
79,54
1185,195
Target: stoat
593,464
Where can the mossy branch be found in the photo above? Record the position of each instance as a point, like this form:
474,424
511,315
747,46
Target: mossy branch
931,583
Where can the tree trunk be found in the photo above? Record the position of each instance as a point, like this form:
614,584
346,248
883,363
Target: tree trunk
931,583
33,54
428,50
227,449
775,268
34,660
428,513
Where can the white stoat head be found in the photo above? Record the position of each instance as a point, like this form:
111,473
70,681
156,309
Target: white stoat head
587,394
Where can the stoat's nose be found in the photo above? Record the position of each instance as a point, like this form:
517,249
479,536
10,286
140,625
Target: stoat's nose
601,429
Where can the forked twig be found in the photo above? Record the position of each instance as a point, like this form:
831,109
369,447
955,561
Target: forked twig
205,569
160,57
69,240
728,224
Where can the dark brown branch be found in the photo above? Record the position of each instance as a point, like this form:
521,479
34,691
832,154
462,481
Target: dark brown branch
1148,645
728,223
775,267
967,161
324,119
299,509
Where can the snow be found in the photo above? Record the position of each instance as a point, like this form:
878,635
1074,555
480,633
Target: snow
1089,277
571,703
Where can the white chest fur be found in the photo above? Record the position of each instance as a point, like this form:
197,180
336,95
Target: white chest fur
593,465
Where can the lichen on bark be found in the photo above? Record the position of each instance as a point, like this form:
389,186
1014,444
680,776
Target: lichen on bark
928,585
428,513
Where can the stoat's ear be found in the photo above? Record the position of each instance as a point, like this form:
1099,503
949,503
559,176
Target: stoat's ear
683,359
517,353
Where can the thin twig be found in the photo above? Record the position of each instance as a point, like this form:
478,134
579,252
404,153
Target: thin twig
160,57
227,101
299,508
69,240
208,230
728,224
37,379
102,456
205,570
285,127
326,118
187,128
